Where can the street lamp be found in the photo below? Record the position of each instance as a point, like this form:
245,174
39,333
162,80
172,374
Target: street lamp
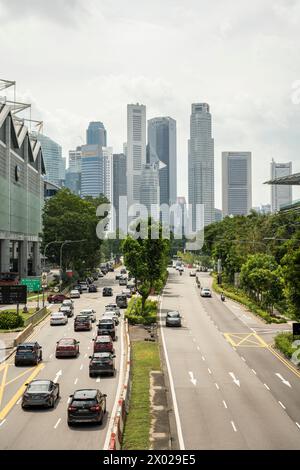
60,259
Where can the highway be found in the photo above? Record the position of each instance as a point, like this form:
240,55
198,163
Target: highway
230,389
47,428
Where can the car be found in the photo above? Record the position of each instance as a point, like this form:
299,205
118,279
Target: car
56,298
127,292
117,276
192,273
87,406
180,268
173,318
28,354
102,363
78,287
123,271
58,318
93,288
89,312
100,274
84,287
40,393
121,301
111,269
68,303
82,323
111,316
107,291
75,294
205,292
106,327
113,308
103,343
104,271
123,281
67,347
67,310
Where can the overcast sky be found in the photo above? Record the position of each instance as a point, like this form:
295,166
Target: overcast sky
82,60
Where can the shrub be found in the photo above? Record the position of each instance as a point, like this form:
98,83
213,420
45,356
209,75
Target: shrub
9,320
133,312
283,342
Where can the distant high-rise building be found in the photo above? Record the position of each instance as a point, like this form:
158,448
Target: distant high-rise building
136,150
162,147
92,170
149,189
73,181
280,194
75,160
96,134
180,216
201,164
119,182
52,154
236,183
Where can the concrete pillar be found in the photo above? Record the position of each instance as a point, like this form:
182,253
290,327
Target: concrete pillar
23,258
5,256
36,259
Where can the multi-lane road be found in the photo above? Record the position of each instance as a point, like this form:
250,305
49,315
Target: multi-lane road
48,429
230,389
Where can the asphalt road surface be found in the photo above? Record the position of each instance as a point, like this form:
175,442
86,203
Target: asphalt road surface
48,429
230,389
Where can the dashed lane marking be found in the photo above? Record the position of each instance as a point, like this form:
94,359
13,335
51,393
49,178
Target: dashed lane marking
233,425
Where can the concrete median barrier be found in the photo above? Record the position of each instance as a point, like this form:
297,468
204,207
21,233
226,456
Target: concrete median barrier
23,335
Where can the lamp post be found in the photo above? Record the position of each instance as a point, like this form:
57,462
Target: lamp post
44,263
60,258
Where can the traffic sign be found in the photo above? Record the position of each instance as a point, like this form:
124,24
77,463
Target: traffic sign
13,295
33,284
296,329
44,280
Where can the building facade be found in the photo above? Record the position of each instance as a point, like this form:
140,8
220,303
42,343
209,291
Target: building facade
96,134
75,160
136,150
52,154
119,183
22,196
149,189
163,148
92,170
280,194
201,164
236,183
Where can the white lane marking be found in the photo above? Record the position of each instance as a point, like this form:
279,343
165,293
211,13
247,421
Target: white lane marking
51,355
19,401
217,385
85,355
69,400
281,404
297,424
198,348
89,348
174,399
209,371
225,404
81,367
233,425
283,380
268,388
243,359
192,378
98,380
194,340
2,422
235,380
203,358
58,374
254,372
58,421
75,381
253,330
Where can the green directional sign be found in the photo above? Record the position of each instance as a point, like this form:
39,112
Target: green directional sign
33,283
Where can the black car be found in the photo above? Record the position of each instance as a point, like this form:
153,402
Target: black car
121,301
104,271
118,275
107,327
87,406
93,288
28,354
107,292
40,393
102,363
82,323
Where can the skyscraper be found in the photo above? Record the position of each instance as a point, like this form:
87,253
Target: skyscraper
75,160
92,170
236,183
201,164
136,150
162,147
149,189
96,134
119,182
52,154
280,194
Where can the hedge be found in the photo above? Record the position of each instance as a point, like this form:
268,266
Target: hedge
133,312
283,342
10,321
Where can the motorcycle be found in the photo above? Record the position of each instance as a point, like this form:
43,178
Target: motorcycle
223,297
180,273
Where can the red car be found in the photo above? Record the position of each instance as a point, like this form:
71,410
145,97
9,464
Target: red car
56,298
103,344
67,347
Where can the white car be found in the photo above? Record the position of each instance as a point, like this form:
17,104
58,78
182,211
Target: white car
89,312
110,316
75,294
113,308
84,287
127,292
205,292
192,273
58,318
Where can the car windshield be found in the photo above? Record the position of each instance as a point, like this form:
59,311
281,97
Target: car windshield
105,326
83,402
40,387
173,314
66,342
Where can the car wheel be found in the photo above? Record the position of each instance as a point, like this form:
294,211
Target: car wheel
52,403
101,419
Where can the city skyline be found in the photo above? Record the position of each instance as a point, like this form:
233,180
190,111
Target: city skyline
250,110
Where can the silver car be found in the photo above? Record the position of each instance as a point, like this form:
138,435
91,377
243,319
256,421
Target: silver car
173,319
89,312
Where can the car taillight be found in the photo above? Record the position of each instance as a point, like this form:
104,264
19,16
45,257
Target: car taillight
72,408
95,408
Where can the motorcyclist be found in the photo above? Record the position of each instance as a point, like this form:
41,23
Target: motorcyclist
222,297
